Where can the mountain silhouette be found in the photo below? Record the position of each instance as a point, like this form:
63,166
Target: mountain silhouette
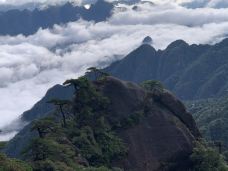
27,22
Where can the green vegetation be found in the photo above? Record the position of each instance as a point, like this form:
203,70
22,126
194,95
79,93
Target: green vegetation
152,85
7,164
203,158
82,137
211,116
3,144
207,159
131,121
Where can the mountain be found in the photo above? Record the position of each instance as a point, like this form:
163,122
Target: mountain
39,110
42,108
27,22
190,71
114,123
147,40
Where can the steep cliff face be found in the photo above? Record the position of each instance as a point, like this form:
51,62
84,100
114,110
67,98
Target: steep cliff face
165,133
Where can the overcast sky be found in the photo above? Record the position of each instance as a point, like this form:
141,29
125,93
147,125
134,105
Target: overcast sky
29,66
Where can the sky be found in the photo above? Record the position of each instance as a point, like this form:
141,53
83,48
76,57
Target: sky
30,65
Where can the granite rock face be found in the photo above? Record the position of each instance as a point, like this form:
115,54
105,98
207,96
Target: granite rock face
166,132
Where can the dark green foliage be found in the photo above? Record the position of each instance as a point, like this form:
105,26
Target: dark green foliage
98,143
131,121
7,164
152,85
41,149
88,138
3,144
211,116
203,158
44,126
71,82
207,159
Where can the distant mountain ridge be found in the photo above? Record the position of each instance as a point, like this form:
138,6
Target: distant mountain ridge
190,71
27,22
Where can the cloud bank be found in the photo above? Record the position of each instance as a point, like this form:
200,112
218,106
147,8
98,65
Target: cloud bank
49,2
30,65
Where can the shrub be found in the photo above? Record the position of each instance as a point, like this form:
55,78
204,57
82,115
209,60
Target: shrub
152,85
7,164
207,159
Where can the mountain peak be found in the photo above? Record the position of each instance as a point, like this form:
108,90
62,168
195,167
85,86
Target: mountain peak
146,49
147,40
177,43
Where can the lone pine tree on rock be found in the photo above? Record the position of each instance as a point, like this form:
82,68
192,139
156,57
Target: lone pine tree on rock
61,104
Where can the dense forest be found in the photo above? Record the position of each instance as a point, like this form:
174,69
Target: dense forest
211,118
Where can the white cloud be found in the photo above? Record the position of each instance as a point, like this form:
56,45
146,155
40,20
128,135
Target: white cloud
22,2
206,3
173,14
30,65
218,3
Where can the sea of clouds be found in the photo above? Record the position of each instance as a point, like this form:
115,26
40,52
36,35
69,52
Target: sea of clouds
31,65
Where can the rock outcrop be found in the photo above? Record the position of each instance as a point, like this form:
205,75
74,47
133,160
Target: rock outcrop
147,40
166,132
163,134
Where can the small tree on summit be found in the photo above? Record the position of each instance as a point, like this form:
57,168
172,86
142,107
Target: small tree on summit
71,82
97,73
79,83
61,104
152,85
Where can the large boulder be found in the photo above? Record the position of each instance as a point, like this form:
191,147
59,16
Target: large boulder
165,134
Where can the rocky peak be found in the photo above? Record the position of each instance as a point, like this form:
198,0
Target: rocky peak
147,40
178,43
